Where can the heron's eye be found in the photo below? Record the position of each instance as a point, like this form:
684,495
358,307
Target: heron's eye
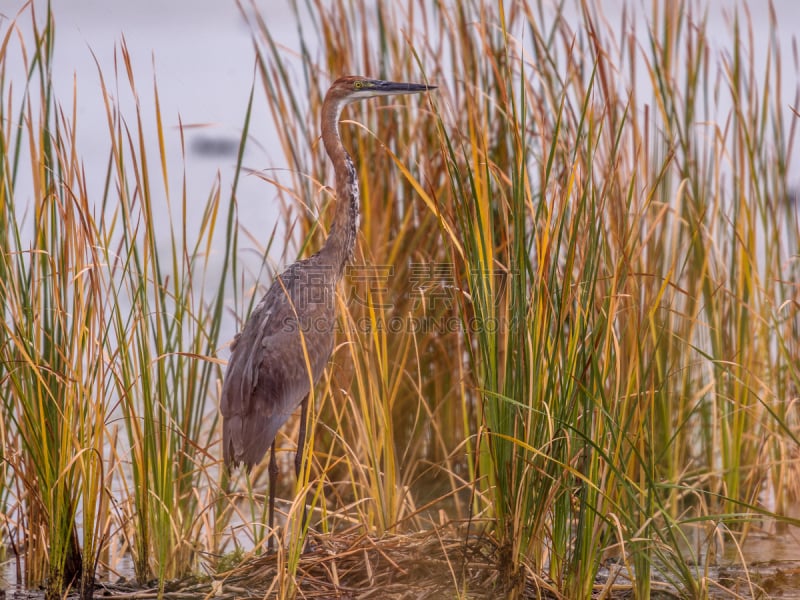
358,85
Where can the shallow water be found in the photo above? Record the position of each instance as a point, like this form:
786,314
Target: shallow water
773,570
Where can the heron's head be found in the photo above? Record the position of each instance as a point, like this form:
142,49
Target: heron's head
351,88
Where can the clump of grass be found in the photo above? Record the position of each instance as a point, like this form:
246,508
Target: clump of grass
617,397
103,327
165,338
391,379
48,332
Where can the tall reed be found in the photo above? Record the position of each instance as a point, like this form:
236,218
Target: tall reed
391,378
105,326
614,299
47,331
165,332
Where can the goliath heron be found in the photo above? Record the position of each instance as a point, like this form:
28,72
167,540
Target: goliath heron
280,353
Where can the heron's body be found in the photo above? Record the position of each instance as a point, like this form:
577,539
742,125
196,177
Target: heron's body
269,382
288,339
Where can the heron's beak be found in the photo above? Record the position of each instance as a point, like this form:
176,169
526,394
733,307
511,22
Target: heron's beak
395,87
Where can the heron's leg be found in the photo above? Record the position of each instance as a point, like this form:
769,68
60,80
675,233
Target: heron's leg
301,438
273,478
298,458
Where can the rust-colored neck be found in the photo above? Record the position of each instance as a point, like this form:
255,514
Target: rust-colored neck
340,244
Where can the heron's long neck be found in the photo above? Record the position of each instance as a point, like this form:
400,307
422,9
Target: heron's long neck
341,239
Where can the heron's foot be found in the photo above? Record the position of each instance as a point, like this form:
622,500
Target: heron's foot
272,541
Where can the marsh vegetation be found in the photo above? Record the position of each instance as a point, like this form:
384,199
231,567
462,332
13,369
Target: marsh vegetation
571,328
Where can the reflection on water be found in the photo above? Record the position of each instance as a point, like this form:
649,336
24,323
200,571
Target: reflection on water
8,574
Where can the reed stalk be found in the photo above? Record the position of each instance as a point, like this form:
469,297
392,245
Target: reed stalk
102,323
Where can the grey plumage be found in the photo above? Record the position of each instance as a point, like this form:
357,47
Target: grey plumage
288,339
265,384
